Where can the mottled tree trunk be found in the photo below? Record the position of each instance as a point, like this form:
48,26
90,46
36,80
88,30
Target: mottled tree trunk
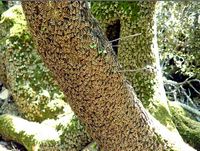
73,47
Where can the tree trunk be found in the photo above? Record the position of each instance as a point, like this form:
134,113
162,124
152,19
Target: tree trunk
75,50
137,55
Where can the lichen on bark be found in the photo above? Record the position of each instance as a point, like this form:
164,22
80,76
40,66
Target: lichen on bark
29,134
66,133
23,72
187,126
35,93
138,56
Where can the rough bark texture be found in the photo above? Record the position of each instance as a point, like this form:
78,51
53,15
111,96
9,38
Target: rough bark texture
82,61
35,96
138,55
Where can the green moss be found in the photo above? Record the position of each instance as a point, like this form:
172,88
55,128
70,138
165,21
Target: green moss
92,147
159,111
29,134
136,53
74,131
15,19
2,8
32,86
115,9
65,133
188,128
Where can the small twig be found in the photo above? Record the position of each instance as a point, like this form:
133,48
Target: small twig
140,69
125,37
13,147
175,96
4,104
110,42
194,88
115,45
188,98
178,87
170,82
195,80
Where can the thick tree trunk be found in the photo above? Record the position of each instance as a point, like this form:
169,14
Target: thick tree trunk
81,59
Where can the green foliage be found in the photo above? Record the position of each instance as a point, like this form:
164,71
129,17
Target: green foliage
115,10
178,37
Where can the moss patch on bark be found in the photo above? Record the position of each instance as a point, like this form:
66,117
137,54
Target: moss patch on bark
187,126
66,133
23,71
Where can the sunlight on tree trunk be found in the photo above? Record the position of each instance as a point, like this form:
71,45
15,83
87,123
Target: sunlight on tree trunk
75,50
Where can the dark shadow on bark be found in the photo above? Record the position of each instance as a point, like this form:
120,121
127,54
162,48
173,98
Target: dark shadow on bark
112,33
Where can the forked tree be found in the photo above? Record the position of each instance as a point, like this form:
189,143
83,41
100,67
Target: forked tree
81,58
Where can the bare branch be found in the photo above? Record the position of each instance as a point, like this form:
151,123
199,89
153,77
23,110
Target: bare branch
138,34
194,88
190,109
188,98
178,89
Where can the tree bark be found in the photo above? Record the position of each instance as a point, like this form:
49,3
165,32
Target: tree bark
73,47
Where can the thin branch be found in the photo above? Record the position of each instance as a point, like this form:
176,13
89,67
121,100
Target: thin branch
188,98
195,80
194,88
138,34
150,68
178,87
190,109
115,45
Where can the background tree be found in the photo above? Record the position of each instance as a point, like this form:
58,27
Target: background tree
137,51
178,39
121,21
